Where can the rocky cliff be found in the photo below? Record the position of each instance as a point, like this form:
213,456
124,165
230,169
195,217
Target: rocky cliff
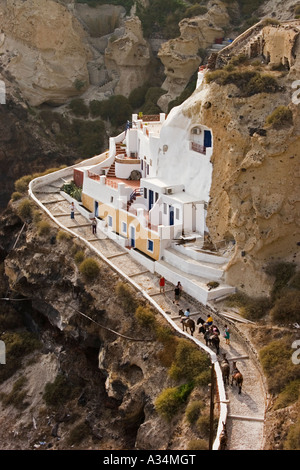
182,56
83,370
254,196
42,50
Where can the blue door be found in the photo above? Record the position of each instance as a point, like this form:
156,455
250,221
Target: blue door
150,199
96,209
132,237
171,212
207,139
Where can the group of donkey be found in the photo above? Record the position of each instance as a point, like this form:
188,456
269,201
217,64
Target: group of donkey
212,339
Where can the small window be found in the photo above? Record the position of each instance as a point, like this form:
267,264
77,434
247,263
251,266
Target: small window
177,214
124,227
110,221
150,246
111,199
145,193
165,208
156,197
148,169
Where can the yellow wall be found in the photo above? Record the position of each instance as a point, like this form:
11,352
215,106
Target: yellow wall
87,202
119,216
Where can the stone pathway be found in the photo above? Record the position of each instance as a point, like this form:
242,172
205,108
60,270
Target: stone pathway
245,422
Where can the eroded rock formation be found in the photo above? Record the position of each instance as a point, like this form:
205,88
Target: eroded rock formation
254,196
129,57
42,49
181,56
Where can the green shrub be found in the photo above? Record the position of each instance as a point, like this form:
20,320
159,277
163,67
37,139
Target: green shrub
74,191
89,268
261,83
189,363
117,109
79,84
137,96
276,360
286,309
197,444
256,308
239,59
63,235
78,107
25,209
18,345
250,308
193,411
146,317
16,196
37,217
282,272
79,257
289,395
292,441
169,341
96,108
171,400
248,81
17,395
281,116
59,392
43,227
163,16
21,184
126,297
203,425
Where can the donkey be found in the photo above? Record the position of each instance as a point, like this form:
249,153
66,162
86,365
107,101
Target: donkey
237,377
188,323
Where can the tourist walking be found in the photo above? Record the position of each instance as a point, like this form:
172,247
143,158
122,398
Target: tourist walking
176,295
94,226
162,284
227,334
72,209
180,288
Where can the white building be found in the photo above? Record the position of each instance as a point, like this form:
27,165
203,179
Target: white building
150,193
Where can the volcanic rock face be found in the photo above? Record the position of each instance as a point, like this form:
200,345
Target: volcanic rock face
180,56
43,50
254,196
129,57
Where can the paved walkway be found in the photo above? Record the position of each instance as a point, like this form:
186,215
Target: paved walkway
245,423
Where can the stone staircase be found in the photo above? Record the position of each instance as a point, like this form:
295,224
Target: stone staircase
202,267
196,269
219,46
111,171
